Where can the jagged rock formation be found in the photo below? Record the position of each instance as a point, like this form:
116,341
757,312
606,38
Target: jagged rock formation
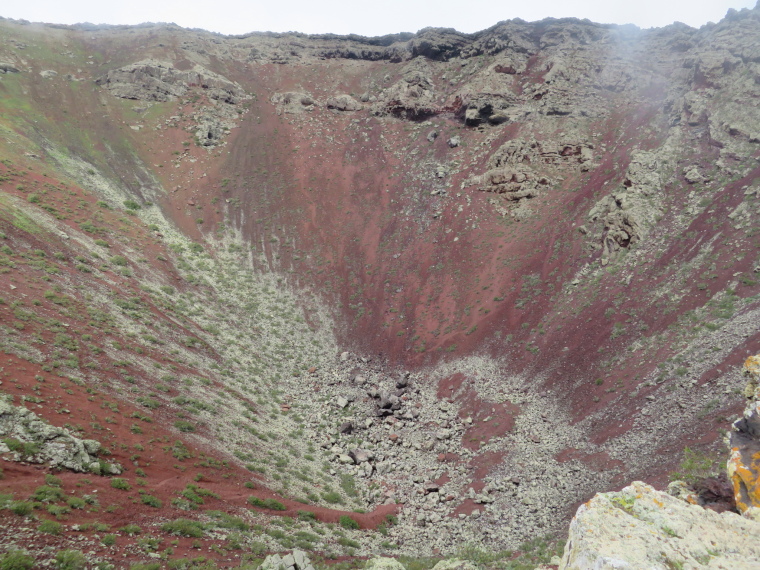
151,80
26,437
744,442
639,527
519,168
160,81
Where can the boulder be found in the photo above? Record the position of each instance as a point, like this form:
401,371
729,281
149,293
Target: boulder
639,527
7,68
744,441
343,103
297,560
292,102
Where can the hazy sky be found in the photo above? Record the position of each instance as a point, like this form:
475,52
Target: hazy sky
376,18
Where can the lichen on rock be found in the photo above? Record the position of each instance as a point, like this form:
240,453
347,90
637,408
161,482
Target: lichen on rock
26,437
640,527
744,442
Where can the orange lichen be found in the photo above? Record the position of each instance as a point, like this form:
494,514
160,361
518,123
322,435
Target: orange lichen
752,365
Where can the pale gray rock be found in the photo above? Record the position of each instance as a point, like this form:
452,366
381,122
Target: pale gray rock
343,103
639,527
153,80
292,102
48,444
296,560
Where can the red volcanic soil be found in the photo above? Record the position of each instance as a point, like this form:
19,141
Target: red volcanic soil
489,420
142,444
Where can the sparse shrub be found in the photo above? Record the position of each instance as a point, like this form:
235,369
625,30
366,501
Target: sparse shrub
151,501
58,510
131,529
70,560
694,466
47,494
131,205
22,508
332,497
184,426
52,480
347,522
184,527
120,483
272,504
109,540
50,527
343,541
16,560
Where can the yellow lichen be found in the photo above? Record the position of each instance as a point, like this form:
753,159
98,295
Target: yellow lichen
752,366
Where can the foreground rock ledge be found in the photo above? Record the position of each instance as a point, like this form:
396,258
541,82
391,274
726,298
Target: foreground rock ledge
641,528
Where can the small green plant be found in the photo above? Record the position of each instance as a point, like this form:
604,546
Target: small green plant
694,466
48,494
151,501
70,560
347,522
272,504
184,527
16,560
120,483
624,502
184,426
76,502
52,480
109,540
50,527
131,529
22,508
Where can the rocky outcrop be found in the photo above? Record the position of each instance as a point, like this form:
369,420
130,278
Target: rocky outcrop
292,102
160,81
26,437
521,167
152,80
629,212
343,103
296,560
6,67
639,527
413,97
744,441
